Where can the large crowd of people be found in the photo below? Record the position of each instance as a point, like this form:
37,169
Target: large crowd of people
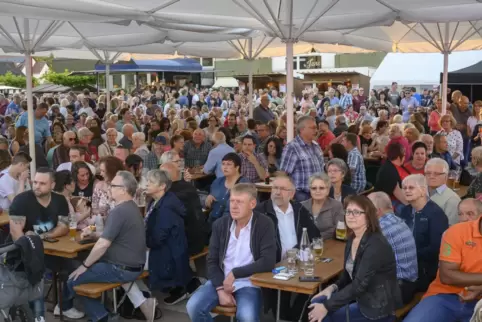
154,176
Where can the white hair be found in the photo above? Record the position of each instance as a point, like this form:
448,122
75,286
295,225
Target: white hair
167,156
418,179
139,135
438,162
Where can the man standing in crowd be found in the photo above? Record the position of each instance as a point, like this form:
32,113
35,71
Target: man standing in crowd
231,264
13,180
355,163
394,95
124,233
452,296
61,153
436,172
346,99
428,223
216,155
46,214
263,135
41,125
262,113
303,157
197,150
403,244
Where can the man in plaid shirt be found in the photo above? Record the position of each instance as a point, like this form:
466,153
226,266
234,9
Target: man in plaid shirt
253,165
196,151
345,99
355,163
303,157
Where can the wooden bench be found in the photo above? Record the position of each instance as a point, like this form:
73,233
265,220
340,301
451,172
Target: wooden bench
95,290
402,312
225,311
203,253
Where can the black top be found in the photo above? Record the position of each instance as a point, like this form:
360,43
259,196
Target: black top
374,285
87,192
39,219
365,141
387,178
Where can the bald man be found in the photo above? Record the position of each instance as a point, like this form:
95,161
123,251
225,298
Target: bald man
187,194
402,241
216,155
61,152
470,209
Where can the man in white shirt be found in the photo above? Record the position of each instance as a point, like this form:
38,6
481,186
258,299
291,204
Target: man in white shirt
14,179
231,262
76,153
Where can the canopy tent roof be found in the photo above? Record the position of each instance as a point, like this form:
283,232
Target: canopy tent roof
419,69
226,82
169,65
471,75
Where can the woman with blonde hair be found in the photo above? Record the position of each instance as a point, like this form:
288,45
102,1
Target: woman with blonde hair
454,137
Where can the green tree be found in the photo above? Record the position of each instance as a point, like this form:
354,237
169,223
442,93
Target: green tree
15,81
65,79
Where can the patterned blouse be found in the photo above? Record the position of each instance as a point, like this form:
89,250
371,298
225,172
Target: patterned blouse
475,187
455,143
102,203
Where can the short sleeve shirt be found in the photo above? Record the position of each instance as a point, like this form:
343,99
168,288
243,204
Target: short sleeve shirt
124,228
39,219
461,244
8,186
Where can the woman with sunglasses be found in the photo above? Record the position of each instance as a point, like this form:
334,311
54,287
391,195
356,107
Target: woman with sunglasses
367,289
326,211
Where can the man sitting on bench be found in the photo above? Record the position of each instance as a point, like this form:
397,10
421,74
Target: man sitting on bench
453,294
120,253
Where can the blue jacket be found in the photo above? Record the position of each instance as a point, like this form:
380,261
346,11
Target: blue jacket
165,236
428,226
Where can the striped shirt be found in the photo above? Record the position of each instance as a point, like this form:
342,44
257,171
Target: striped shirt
248,170
357,165
402,241
300,161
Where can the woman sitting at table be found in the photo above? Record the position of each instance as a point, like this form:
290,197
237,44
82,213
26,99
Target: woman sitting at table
64,185
102,202
396,136
218,198
337,171
455,141
84,180
326,211
338,151
272,152
365,136
419,158
380,137
367,289
390,176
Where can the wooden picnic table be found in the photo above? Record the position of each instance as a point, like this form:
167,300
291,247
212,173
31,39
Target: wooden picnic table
4,219
263,187
65,247
326,271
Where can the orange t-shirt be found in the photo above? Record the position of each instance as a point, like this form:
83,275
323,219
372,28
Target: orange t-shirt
461,244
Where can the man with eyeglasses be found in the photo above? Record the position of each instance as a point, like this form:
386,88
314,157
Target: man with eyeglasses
453,295
289,218
403,244
436,172
61,152
428,222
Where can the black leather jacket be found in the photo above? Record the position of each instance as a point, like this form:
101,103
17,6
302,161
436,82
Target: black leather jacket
374,285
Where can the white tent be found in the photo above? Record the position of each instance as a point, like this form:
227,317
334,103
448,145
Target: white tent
419,69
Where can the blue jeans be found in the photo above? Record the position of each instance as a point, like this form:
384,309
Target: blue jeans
248,303
353,312
98,273
442,308
38,307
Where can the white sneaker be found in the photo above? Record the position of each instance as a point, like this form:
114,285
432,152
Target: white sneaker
39,319
73,313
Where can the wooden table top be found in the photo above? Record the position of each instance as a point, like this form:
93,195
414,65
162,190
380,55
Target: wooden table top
4,219
263,187
462,191
65,247
326,271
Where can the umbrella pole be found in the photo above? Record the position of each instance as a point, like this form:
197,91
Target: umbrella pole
250,77
445,81
31,116
107,84
289,90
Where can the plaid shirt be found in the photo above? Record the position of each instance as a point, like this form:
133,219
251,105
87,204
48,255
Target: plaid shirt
346,100
248,170
196,156
150,161
355,162
403,244
300,161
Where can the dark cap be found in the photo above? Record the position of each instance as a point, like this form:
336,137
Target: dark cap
160,140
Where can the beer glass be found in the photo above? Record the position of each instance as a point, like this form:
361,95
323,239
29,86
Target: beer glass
292,255
317,246
341,230
72,230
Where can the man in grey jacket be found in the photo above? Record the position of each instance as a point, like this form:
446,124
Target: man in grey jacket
241,245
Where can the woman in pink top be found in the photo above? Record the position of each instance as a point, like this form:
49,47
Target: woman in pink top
434,118
396,136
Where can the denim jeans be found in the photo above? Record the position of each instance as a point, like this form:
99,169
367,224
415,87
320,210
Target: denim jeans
38,308
248,303
442,308
98,273
353,312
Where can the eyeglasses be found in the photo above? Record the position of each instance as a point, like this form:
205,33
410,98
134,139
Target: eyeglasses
355,213
116,186
71,139
434,174
317,188
408,188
